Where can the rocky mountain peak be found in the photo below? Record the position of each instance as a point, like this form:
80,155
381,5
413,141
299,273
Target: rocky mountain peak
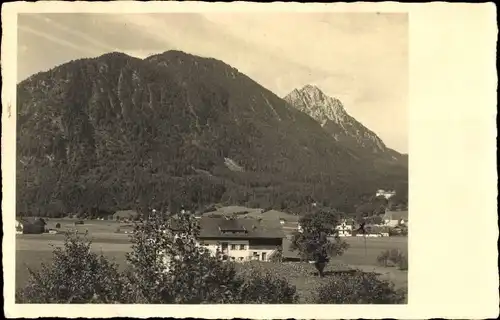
333,117
311,100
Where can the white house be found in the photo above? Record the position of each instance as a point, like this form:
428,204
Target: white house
344,229
385,193
241,239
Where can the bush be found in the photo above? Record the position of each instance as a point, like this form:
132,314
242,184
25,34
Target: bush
259,287
383,258
76,275
358,288
403,263
58,225
393,257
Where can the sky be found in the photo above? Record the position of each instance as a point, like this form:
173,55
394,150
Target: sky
360,58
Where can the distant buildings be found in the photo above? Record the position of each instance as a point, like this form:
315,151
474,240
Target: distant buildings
395,218
385,193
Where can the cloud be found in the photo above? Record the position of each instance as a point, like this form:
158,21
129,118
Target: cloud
57,40
81,35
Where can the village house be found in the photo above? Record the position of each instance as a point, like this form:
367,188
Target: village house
395,218
344,229
241,239
385,193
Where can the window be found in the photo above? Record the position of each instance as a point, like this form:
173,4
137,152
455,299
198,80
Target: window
242,247
233,247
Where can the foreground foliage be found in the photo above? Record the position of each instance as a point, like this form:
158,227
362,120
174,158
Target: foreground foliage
76,275
358,288
165,266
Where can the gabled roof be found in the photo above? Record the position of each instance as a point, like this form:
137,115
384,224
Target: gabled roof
396,215
242,228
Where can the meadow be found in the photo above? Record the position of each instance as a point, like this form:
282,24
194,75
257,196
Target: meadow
32,250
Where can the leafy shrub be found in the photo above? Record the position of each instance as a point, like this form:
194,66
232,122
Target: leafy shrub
403,263
33,228
358,288
393,257
383,258
76,275
263,287
58,225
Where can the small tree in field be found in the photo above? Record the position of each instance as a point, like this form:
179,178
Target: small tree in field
318,240
358,288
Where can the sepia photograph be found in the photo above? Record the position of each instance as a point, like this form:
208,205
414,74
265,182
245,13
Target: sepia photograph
212,157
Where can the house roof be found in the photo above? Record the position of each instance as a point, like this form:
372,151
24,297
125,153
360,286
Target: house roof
287,252
255,213
396,215
243,228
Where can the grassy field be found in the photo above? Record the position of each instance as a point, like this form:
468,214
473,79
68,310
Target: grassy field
32,250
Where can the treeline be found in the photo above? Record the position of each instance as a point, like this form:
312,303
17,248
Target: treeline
51,193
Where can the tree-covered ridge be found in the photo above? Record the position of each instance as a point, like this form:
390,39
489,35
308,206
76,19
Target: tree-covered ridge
116,132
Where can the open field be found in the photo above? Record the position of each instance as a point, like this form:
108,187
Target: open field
32,250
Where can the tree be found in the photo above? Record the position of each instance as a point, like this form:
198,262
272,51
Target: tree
358,288
318,239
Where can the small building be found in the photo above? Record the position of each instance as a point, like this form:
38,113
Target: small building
385,193
395,218
344,229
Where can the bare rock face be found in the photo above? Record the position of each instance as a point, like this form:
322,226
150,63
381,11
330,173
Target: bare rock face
330,113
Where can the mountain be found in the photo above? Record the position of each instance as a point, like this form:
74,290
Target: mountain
331,115
117,132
